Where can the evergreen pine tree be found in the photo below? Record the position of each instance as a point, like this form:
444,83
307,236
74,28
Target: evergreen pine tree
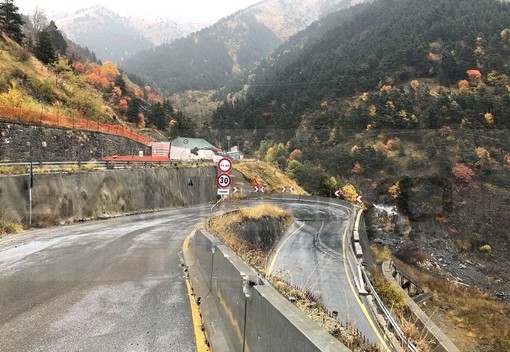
157,116
57,39
11,22
44,50
133,110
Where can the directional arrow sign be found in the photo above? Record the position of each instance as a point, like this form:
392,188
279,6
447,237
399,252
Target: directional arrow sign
224,180
338,193
284,189
291,189
359,199
235,190
225,165
259,189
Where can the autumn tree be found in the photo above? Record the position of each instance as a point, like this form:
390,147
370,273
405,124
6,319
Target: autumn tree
109,70
122,105
475,77
357,169
349,193
463,172
296,154
11,22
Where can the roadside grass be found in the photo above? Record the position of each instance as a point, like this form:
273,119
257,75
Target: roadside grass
481,318
308,304
472,318
268,175
7,227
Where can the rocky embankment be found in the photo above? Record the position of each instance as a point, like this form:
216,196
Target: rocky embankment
429,245
20,142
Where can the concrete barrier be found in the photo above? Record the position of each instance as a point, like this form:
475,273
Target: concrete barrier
239,312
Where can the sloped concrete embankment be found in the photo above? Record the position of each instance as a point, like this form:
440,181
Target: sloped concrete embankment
70,197
240,313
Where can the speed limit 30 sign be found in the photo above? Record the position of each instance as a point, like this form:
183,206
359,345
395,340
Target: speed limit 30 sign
224,180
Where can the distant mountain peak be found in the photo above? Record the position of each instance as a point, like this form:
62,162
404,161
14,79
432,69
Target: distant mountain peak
115,37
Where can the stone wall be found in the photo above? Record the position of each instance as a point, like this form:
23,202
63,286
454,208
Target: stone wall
19,142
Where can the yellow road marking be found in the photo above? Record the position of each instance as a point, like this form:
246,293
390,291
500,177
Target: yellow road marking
362,306
17,238
273,262
200,338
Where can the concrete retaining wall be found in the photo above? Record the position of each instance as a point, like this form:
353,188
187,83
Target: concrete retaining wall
70,197
240,313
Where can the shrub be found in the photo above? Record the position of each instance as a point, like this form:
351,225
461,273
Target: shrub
410,253
486,248
390,295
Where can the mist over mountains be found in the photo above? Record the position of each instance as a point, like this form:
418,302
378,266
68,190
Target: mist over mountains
218,54
115,37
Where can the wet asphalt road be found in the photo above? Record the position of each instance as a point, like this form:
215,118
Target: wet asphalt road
112,285
311,257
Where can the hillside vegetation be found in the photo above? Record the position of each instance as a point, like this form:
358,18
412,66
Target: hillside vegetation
407,103
41,70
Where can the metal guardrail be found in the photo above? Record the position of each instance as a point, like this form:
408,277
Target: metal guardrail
100,163
406,342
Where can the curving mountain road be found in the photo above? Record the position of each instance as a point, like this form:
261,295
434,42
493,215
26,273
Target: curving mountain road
112,285
116,285
314,255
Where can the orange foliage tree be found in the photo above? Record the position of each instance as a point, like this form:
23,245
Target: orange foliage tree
122,106
463,84
357,169
139,93
295,155
463,172
475,76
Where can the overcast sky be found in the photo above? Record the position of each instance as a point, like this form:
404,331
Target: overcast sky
200,9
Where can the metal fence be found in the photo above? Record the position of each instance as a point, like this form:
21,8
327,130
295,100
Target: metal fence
41,118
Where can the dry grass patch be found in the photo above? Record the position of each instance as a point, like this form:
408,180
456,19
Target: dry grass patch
309,305
268,176
471,316
252,232
7,227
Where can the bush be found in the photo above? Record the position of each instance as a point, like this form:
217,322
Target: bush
43,90
410,253
390,295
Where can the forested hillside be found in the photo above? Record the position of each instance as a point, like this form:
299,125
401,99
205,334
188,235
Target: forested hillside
407,103
223,53
388,44
206,59
41,70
